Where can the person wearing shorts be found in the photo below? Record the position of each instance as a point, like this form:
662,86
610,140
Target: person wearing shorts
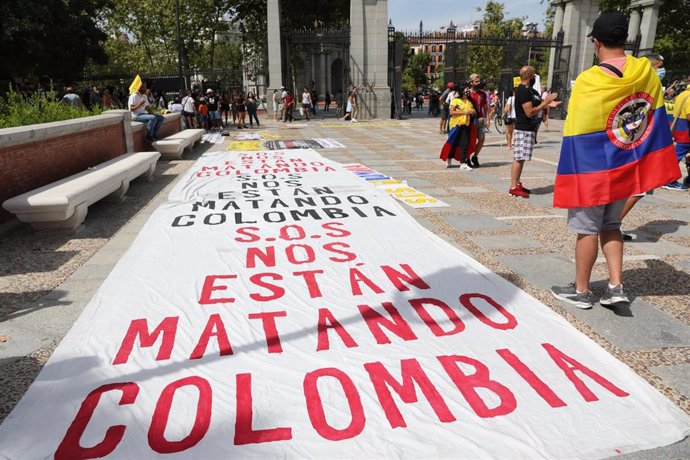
481,102
592,225
509,114
445,108
188,109
600,224
526,108
213,102
306,103
629,204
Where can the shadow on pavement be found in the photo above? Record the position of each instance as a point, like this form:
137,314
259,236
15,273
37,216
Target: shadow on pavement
657,279
542,190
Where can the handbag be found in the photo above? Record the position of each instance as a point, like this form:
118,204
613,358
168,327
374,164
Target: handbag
301,110
534,123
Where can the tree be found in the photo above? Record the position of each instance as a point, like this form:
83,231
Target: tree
315,13
440,80
50,37
414,75
483,59
149,26
673,29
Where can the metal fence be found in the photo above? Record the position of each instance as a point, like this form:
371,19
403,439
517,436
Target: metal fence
221,80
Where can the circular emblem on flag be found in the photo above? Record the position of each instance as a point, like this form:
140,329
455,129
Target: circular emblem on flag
631,121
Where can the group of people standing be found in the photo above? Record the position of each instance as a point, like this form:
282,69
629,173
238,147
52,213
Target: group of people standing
465,117
610,157
211,111
284,103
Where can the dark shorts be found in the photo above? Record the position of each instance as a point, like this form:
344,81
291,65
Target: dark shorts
510,121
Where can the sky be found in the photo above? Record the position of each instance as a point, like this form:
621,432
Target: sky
406,14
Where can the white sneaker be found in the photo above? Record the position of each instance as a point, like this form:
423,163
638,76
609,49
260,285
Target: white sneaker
464,167
354,120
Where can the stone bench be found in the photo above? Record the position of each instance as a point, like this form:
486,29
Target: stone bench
64,203
171,147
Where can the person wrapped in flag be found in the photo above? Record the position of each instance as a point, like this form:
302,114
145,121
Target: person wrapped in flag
619,148
680,126
462,131
616,143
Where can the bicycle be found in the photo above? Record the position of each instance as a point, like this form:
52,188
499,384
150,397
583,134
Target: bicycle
497,119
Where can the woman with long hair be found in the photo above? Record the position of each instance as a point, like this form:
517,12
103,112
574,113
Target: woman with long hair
348,106
224,109
251,110
241,111
509,114
461,130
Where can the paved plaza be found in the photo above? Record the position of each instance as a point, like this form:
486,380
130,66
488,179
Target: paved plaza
48,278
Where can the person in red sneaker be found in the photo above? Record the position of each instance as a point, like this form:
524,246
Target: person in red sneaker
528,103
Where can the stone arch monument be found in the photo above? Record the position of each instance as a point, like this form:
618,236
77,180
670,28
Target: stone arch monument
367,63
575,18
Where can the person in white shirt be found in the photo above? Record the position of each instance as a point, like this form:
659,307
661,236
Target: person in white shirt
176,105
188,109
138,105
306,103
509,115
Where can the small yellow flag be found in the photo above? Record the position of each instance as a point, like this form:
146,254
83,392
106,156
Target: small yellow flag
136,84
516,82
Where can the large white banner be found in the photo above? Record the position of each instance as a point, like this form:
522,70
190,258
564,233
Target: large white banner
303,314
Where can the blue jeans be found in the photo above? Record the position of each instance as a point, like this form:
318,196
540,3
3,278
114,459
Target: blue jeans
154,122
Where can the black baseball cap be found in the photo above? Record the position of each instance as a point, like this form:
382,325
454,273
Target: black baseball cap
610,28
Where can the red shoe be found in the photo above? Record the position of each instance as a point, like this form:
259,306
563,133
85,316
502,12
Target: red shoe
518,191
522,187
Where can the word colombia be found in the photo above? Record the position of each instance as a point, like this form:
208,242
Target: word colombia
384,387
275,204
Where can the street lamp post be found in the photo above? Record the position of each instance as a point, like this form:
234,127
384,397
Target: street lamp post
179,45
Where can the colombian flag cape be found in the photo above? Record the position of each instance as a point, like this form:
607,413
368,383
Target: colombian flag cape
681,131
451,148
616,141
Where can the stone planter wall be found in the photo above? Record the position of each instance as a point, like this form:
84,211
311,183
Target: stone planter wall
36,155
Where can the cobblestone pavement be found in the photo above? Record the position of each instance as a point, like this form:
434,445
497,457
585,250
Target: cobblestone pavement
47,278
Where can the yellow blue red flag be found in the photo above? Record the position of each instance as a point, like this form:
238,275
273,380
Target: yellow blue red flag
136,84
617,140
680,125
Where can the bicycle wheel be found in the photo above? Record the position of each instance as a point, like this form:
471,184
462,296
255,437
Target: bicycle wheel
500,126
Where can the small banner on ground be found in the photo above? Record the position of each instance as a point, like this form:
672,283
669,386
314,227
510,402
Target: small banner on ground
213,138
398,189
257,144
280,307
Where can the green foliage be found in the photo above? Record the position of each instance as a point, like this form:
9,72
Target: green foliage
485,60
440,81
408,83
549,16
16,110
49,37
672,35
213,34
673,29
315,13
414,75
